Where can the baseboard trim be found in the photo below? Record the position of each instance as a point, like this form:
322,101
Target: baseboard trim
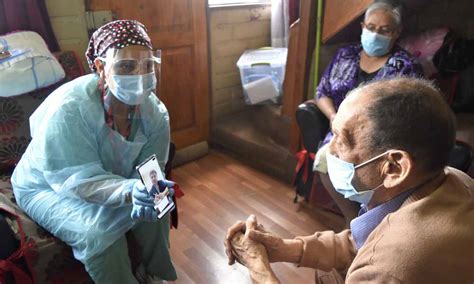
191,153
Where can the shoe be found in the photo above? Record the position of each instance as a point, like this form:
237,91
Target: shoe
144,278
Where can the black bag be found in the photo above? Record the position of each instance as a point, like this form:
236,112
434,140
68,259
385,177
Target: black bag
461,156
464,94
454,55
313,127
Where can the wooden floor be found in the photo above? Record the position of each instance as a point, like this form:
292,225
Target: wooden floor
218,191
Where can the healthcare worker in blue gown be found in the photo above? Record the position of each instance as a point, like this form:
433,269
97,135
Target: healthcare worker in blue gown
77,179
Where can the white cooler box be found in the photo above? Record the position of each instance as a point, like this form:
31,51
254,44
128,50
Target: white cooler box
262,72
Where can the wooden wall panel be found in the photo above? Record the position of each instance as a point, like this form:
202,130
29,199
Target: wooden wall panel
289,82
339,13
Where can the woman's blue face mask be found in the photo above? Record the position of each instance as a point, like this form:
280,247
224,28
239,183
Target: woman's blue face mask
132,89
131,75
375,44
341,174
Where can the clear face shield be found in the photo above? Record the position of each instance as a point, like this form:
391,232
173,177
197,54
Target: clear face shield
132,73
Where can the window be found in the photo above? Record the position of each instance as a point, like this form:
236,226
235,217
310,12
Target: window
218,3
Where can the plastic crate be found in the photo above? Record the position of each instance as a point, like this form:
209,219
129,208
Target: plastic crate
262,72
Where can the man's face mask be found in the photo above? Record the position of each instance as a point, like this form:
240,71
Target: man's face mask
341,174
375,44
132,79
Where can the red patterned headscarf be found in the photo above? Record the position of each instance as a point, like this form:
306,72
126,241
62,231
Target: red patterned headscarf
117,34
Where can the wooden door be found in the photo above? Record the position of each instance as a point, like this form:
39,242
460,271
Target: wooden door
179,29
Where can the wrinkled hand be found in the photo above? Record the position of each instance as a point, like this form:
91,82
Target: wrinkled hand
238,227
143,204
274,245
246,251
278,249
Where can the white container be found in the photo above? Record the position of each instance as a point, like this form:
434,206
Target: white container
259,67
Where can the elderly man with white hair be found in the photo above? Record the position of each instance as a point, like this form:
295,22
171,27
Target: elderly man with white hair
390,149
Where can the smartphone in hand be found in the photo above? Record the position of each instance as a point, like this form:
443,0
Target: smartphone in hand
151,175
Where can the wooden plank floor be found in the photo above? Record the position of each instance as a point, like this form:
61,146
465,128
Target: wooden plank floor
218,191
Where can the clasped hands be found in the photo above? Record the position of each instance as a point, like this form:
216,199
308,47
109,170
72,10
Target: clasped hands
252,246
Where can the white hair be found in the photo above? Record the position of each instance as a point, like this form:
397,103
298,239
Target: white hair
395,12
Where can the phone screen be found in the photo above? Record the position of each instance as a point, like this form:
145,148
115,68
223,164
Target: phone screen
150,173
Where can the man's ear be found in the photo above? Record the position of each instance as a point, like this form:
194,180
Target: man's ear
397,168
99,65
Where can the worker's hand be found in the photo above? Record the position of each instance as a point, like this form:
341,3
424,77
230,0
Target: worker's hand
143,204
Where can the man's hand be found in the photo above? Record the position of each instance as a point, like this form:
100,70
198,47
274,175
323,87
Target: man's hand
252,254
278,249
245,249
238,227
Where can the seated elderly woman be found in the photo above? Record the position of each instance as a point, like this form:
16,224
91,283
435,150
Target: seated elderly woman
77,178
376,57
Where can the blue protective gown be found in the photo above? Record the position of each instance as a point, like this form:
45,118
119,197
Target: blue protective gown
74,174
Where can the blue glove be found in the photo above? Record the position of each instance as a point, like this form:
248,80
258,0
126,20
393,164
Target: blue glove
143,204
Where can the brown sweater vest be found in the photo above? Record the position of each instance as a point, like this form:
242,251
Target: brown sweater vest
430,239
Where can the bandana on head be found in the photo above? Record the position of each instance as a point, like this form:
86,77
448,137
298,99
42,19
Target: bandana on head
116,34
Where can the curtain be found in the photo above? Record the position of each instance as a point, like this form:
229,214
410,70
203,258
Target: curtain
284,13
280,23
30,15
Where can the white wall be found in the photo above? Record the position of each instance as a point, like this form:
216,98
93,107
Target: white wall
69,25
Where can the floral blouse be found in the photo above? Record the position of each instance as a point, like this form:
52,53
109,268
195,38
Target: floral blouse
342,74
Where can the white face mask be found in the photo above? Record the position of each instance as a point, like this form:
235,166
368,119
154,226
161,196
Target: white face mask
341,174
132,89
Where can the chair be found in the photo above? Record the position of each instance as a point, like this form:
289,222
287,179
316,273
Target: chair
313,127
